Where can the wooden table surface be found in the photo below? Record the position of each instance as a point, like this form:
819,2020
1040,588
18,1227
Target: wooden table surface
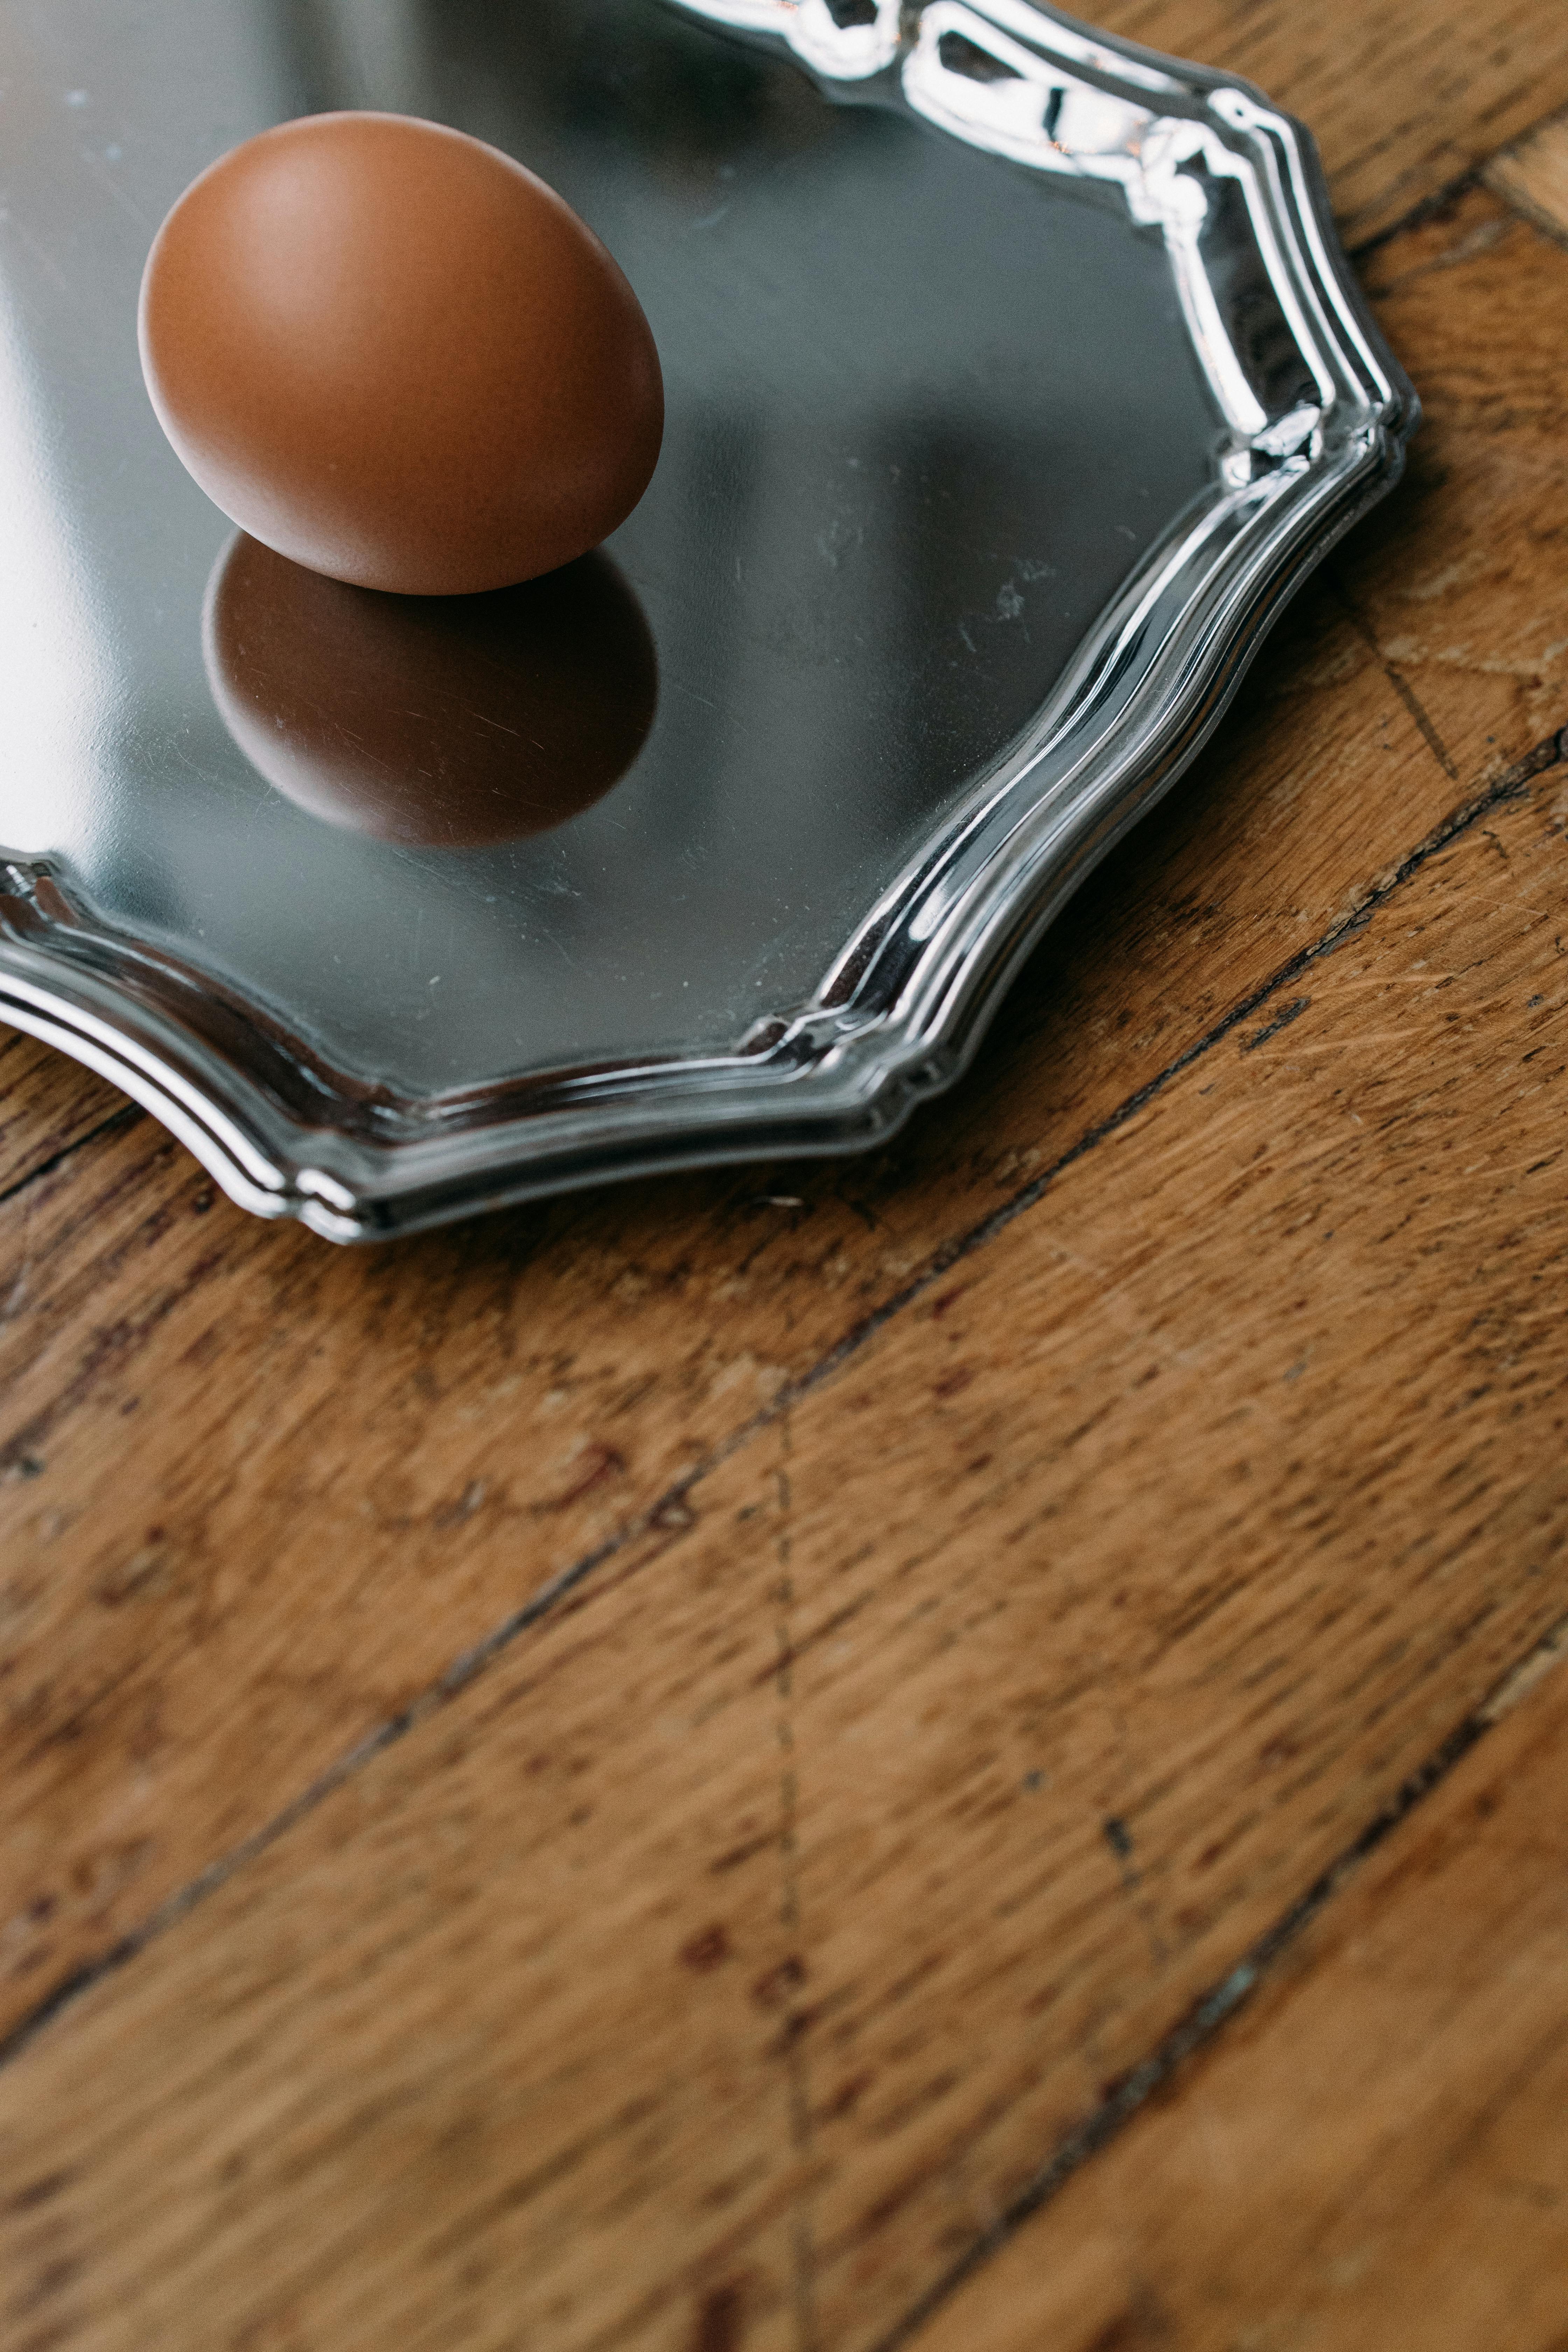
957,1749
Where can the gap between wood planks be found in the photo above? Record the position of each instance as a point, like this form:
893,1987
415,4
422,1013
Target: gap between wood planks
1488,173
1532,177
130,1115
672,1511
1527,174
1212,2010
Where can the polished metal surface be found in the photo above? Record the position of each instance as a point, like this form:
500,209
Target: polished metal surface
1007,404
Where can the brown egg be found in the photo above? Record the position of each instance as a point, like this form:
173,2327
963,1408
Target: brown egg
398,358
443,721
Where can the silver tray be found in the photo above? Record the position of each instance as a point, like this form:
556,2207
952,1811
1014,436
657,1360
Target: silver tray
1007,405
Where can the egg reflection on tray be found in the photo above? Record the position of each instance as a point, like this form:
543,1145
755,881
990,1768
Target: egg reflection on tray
431,720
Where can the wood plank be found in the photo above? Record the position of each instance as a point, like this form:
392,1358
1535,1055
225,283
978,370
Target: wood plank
1456,587
1533,176
284,1489
1405,97
48,1107
1457,582
1376,2154
721,1963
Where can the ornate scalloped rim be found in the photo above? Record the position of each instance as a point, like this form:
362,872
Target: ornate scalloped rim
904,1006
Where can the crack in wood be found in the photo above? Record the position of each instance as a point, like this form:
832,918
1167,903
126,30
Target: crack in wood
1121,2101
671,1514
130,1115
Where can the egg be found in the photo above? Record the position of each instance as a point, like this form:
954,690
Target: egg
395,356
440,721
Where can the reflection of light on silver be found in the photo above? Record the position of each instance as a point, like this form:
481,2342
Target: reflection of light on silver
48,644
851,39
1304,392
375,52
1006,77
1021,96
854,42
570,1059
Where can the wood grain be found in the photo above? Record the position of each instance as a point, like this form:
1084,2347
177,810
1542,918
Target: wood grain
283,1491
48,1108
1405,97
1534,176
1466,596
718,1965
634,1774
1375,2156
